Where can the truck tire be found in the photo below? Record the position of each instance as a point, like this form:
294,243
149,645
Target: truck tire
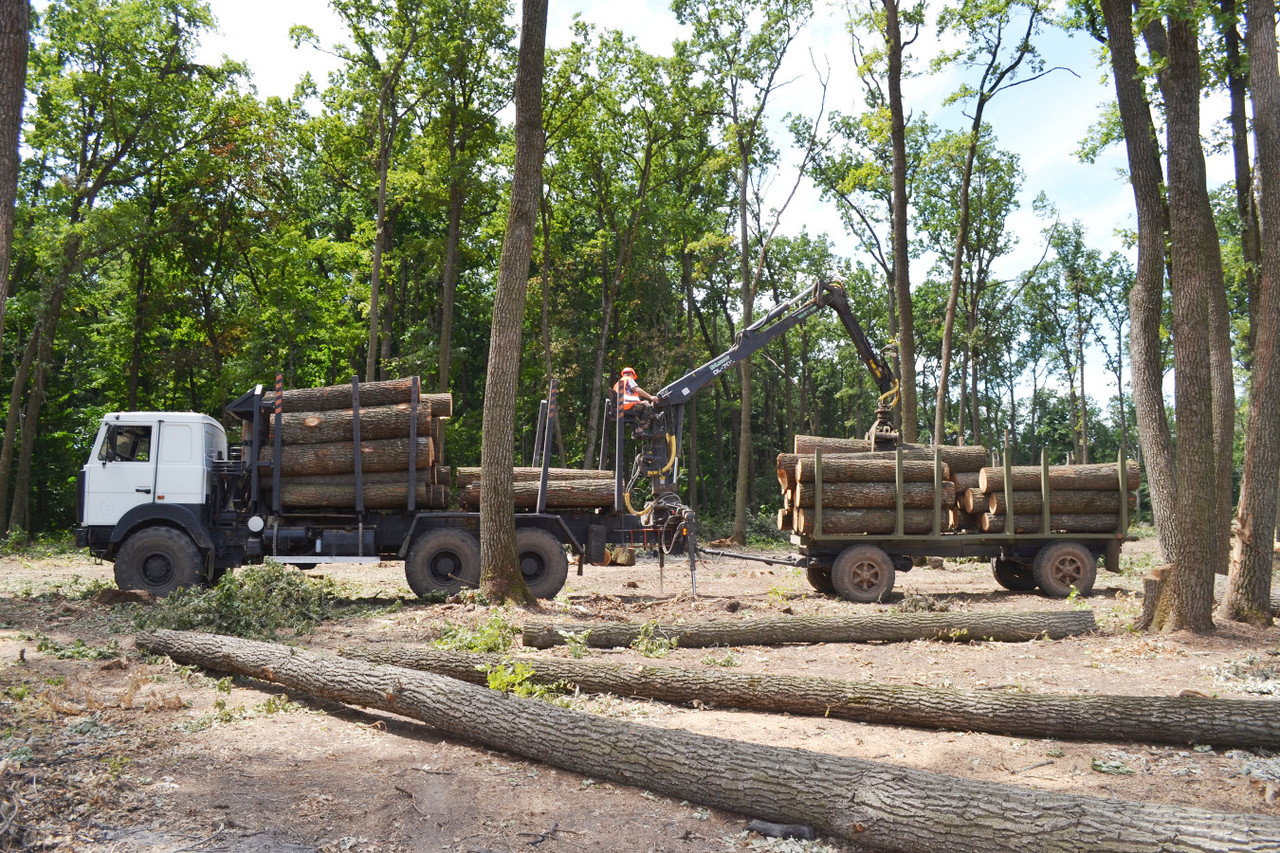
542,561
863,573
820,578
1012,575
159,560
444,560
1060,566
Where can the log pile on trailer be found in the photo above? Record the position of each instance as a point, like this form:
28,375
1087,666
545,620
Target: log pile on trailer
567,488
1082,498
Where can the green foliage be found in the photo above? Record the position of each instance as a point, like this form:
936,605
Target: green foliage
726,659
77,650
254,602
495,634
516,678
651,646
576,643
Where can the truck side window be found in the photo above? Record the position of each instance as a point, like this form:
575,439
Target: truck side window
133,444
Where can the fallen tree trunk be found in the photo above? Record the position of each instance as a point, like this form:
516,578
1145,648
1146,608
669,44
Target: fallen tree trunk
850,468
336,425
1101,477
880,521
1242,723
388,454
869,628
1059,501
1077,522
560,493
468,475
875,495
971,457
881,806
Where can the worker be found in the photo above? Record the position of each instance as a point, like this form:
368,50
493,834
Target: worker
630,393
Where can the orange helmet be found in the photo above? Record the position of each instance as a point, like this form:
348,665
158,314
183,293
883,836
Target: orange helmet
629,371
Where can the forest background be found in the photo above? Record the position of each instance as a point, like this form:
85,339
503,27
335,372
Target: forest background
179,237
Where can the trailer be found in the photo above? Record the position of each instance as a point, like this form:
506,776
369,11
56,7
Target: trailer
172,503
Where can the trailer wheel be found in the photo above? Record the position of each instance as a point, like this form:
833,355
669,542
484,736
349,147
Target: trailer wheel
1063,565
820,578
1013,575
160,560
542,561
863,573
443,560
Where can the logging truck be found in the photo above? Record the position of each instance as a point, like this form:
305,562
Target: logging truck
341,474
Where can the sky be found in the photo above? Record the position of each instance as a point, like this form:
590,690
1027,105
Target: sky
1043,122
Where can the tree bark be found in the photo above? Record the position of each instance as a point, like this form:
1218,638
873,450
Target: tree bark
500,577
560,493
1249,583
15,19
836,495
880,806
334,425
387,392
901,249
864,628
1100,477
849,468
387,454
381,491
1240,723
13,417
880,521
1059,501
1075,522
960,458
467,476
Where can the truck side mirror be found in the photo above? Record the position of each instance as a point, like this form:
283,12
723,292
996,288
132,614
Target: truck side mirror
112,435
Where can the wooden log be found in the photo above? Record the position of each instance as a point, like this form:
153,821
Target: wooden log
564,494
1102,477
784,519
849,468
1240,723
385,393
1076,522
881,521
960,458
874,495
881,806
973,500
787,471
388,454
1059,501
860,628
964,480
334,425
388,490
469,475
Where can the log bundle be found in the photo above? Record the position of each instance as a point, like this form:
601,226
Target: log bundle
1082,498
567,488
318,451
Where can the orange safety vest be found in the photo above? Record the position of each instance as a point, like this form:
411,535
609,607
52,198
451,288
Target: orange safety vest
625,388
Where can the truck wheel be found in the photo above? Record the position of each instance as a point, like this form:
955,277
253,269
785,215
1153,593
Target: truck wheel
820,578
1063,565
443,560
863,573
542,561
159,560
1013,575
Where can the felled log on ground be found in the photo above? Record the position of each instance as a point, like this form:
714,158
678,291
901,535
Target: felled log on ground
881,521
971,457
1240,723
566,494
1076,522
874,495
868,628
848,468
388,454
1101,477
1059,501
335,425
469,475
385,393
387,490
880,805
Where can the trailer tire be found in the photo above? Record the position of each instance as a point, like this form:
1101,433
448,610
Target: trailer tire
863,573
542,561
444,560
820,578
1012,575
1060,566
160,560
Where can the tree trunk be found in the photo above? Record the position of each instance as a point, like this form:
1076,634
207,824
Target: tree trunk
1075,522
500,577
1101,477
19,512
12,419
863,628
1059,501
1146,300
957,260
387,454
450,285
380,223
1249,584
748,294
874,495
1240,723
850,468
901,249
880,806
15,18
560,493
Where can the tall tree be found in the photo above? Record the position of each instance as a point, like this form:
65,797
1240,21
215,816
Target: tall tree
500,577
15,18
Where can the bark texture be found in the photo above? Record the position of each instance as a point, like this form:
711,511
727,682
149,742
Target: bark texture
1075,522
871,628
877,521
467,476
1245,724
388,454
381,491
875,495
385,393
334,425
15,19
972,457
560,493
852,468
1063,501
881,806
1102,477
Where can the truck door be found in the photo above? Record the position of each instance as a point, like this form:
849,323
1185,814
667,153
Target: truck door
121,474
181,478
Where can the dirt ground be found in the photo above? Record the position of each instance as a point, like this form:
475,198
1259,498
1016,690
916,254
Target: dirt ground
105,749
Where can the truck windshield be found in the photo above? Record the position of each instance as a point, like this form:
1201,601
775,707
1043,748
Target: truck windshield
132,444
